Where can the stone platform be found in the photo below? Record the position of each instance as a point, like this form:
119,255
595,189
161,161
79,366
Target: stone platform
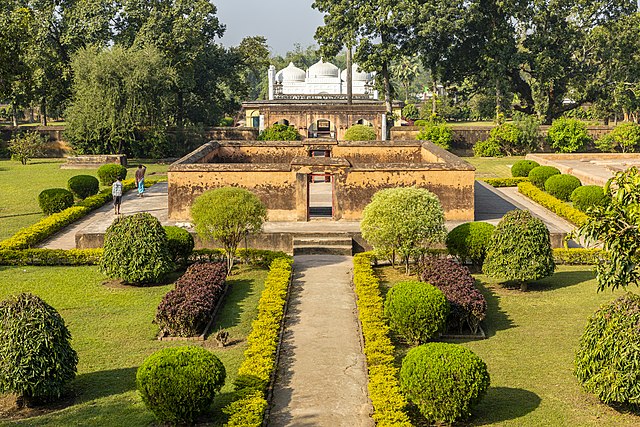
589,168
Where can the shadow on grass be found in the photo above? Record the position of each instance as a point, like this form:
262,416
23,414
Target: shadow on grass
562,279
100,384
230,313
22,214
504,404
497,319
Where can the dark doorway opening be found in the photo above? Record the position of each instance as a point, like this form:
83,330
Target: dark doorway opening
320,203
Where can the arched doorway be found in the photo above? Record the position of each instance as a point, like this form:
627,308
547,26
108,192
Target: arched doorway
322,128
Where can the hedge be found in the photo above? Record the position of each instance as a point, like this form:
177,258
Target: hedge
578,256
557,206
259,364
32,235
44,257
505,182
388,401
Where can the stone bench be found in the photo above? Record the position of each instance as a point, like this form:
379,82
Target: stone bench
94,162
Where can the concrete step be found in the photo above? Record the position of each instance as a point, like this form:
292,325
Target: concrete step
322,241
323,250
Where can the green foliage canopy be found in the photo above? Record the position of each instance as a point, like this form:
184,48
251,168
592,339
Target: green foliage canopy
227,215
403,220
616,225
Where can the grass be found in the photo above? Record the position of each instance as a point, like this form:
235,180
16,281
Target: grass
493,167
532,339
112,333
20,186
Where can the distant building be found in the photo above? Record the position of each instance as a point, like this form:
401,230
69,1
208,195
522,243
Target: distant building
315,102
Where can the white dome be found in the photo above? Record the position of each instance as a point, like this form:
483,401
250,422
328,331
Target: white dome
323,69
290,74
356,76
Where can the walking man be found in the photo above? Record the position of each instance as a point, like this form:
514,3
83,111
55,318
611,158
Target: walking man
116,192
140,179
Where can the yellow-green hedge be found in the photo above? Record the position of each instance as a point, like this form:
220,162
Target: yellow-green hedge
557,206
30,236
505,182
384,389
260,356
50,257
578,256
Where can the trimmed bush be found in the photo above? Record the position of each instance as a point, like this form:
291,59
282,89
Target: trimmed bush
55,200
136,249
608,356
360,133
279,132
568,135
41,256
539,175
179,384
469,241
83,186
439,133
548,201
587,196
520,249
468,307
521,168
624,138
578,256
36,357
180,243
110,172
416,311
488,148
505,182
561,186
186,310
387,399
445,381
508,136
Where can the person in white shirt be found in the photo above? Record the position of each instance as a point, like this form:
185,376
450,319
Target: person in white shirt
116,192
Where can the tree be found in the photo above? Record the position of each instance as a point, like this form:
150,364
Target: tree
616,225
36,357
406,70
227,215
403,220
136,249
26,146
117,93
519,250
255,57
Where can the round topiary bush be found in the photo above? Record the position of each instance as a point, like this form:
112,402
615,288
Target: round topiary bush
55,200
360,133
83,186
586,196
444,381
561,186
469,241
180,243
136,249
279,132
110,172
539,175
521,168
520,249
416,311
36,357
608,356
179,384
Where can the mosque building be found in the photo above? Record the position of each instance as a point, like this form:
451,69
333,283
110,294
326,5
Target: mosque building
315,102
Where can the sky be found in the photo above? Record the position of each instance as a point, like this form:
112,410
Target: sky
282,22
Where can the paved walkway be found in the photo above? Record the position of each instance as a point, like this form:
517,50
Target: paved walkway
321,378
154,202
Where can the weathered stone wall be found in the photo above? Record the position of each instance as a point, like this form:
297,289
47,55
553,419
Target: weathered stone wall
354,190
274,184
359,170
232,134
259,152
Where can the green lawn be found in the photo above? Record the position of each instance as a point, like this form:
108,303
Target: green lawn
20,186
112,333
532,338
493,167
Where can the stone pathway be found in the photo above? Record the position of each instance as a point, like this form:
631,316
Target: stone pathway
154,202
321,378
